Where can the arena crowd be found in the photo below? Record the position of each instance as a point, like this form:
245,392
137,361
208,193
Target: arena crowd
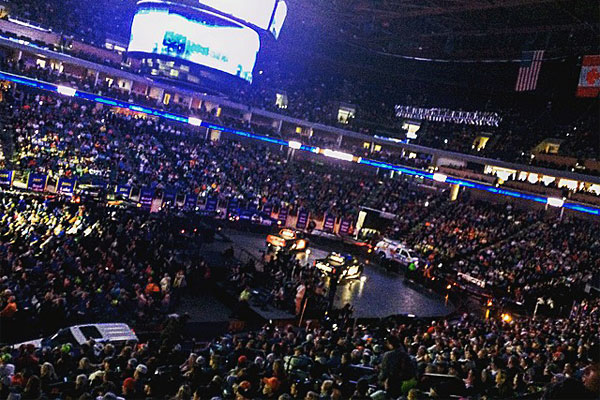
64,262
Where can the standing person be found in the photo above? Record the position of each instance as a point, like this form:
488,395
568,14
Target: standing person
397,368
333,284
165,283
179,285
300,294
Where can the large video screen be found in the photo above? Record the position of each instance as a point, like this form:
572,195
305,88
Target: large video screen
211,42
257,12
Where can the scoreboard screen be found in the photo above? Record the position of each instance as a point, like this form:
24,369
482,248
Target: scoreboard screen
217,43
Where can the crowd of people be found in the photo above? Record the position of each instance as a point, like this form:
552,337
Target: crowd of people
91,23
74,139
68,137
283,281
464,357
64,263
555,259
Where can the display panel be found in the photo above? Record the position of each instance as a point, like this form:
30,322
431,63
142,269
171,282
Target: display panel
257,12
203,40
278,19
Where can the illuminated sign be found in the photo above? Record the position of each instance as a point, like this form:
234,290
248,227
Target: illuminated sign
486,118
123,190
169,198
295,145
219,44
339,155
345,226
469,278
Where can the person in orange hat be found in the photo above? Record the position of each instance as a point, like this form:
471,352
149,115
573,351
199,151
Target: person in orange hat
271,387
243,391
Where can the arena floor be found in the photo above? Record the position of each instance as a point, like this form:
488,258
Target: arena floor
380,294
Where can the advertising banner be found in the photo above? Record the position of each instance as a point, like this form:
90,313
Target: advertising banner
233,204
169,198
268,208
283,214
37,182
6,177
99,183
345,226
146,196
302,219
66,186
191,201
123,191
211,204
329,223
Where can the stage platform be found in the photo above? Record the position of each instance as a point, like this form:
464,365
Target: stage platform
379,295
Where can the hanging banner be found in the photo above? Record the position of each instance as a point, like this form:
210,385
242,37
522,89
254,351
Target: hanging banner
168,198
329,223
6,177
191,201
302,219
211,204
146,196
589,78
345,226
37,182
66,186
123,191
283,214
268,209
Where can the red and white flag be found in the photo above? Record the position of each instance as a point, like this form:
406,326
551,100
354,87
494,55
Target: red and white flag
589,78
531,63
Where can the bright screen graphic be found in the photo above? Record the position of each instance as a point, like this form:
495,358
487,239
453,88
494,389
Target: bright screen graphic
257,12
278,19
226,47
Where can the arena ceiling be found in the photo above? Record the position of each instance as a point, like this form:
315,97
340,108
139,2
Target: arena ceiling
457,28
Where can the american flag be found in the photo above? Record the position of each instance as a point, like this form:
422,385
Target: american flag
531,63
